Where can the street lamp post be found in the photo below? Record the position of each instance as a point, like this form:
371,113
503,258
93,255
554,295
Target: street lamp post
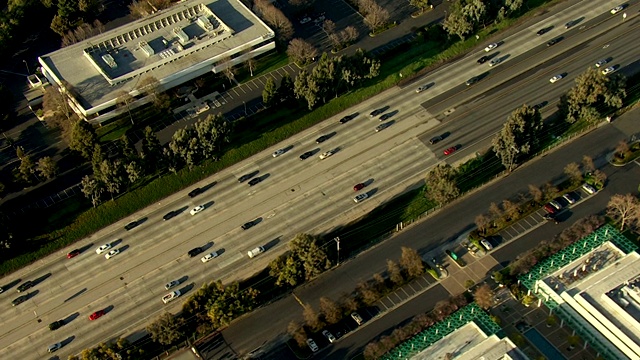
27,65
245,108
337,240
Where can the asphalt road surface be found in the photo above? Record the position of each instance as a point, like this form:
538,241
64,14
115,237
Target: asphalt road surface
311,195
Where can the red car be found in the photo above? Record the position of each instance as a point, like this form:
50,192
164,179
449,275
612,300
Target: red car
358,187
550,209
96,315
450,150
73,253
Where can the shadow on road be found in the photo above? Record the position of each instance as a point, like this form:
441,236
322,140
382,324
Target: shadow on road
75,295
271,243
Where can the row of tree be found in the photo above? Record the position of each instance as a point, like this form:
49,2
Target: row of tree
467,16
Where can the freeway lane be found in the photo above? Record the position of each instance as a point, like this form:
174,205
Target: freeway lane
312,195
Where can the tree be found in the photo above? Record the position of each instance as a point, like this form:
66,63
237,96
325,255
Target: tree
330,310
514,5
251,64
535,193
419,4
112,176
26,167
599,178
511,209
587,164
285,90
301,52
376,17
185,146
269,93
622,149
495,211
349,35
96,159
458,24
125,99
624,209
441,184
276,19
306,88
151,149
482,221
47,167
572,170
213,134
83,138
298,333
134,171
286,270
550,191
150,86
483,296
229,71
92,189
166,329
128,150
411,262
311,318
395,274
305,249
593,95
518,137
140,9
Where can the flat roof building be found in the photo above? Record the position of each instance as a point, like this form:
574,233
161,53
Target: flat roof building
173,46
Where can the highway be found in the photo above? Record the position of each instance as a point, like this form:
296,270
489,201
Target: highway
295,195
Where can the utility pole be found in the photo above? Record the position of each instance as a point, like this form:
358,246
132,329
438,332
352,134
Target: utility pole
337,240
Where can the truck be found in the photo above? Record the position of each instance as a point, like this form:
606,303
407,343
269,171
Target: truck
255,252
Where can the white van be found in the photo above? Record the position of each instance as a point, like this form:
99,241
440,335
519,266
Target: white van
255,252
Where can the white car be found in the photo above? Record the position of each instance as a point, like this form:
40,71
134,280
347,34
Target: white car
112,253
360,198
312,345
208,257
278,152
422,88
589,189
490,47
556,78
329,336
487,245
54,347
608,70
103,248
325,155
305,20
617,9
171,296
601,62
196,209
171,284
495,61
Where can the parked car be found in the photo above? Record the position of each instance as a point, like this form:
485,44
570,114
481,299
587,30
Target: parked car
73,253
550,208
570,198
329,336
589,189
312,345
357,318
555,204
487,245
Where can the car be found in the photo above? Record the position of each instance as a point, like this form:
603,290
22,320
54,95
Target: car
305,20
131,225
246,177
386,116
490,47
360,197
542,31
171,284
450,150
277,153
19,300
195,192
56,325
617,9
601,62
255,181
103,248
608,70
247,225
553,41
73,253
569,24
379,111
556,78
96,315
196,209
169,215
555,204
326,154
312,345
550,217
320,18
495,61
55,347
570,198
357,318
486,244
538,106
195,251
422,88
383,126
472,81
329,336
550,209
208,257
112,253
435,139
589,189
26,285
322,139
348,118
306,155
1,289
171,296
483,60
358,187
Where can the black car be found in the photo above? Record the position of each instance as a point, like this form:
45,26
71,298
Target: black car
348,118
553,42
19,300
472,81
56,325
169,215
246,177
385,116
541,31
195,251
377,112
322,138
131,225
483,60
306,155
195,192
25,286
538,106
255,181
435,139
247,225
